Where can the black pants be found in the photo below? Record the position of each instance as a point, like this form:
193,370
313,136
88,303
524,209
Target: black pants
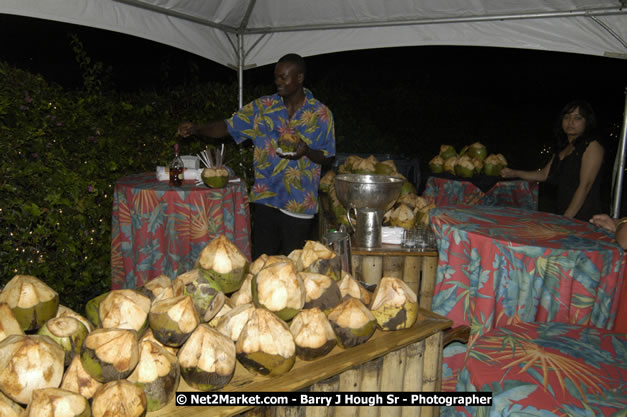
276,233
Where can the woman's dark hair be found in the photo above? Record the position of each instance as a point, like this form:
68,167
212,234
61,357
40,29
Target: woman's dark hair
585,109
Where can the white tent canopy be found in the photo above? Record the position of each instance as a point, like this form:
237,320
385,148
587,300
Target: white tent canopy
247,33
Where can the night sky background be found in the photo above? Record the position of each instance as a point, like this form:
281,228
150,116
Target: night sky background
426,96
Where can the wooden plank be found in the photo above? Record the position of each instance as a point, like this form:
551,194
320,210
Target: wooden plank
427,282
393,266
393,250
372,269
411,274
307,373
431,374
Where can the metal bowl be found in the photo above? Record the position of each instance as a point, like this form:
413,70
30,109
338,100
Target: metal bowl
372,191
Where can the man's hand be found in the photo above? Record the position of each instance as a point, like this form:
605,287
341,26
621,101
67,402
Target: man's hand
301,150
185,129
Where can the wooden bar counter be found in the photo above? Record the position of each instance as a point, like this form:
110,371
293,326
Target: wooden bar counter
414,266
403,360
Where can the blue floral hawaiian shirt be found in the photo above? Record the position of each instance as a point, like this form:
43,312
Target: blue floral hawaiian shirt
282,183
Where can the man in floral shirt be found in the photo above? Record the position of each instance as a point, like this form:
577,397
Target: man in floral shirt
285,192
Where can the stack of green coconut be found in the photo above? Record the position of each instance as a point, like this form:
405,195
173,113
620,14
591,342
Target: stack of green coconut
407,211
471,160
126,355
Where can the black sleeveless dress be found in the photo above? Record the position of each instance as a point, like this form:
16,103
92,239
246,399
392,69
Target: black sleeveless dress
565,174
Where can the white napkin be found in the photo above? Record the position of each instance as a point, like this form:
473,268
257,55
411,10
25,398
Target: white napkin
163,173
392,235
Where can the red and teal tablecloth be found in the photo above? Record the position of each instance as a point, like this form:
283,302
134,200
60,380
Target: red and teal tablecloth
485,191
158,229
500,266
548,370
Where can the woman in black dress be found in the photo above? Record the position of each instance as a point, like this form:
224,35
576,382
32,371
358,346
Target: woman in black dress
575,166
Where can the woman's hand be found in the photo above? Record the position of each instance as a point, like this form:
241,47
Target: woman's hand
509,173
604,221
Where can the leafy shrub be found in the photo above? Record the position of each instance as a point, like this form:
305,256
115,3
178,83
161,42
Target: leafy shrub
62,152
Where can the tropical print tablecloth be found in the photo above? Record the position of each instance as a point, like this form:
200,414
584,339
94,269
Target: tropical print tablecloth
549,370
500,266
509,193
158,229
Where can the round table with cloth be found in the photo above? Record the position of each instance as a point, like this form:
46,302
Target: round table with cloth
548,370
157,229
499,266
482,190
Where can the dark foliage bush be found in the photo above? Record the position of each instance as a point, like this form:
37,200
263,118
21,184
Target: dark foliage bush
62,152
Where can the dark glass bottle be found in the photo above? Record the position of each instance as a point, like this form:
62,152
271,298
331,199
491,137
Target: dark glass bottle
176,168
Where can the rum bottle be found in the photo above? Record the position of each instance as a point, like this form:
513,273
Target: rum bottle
176,168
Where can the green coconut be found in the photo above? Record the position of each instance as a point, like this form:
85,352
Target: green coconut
124,309
223,263
228,306
313,335
447,151
364,166
68,332
57,402
157,373
119,398
493,164
9,408
477,150
110,354
319,259
244,295
173,320
279,289
207,359
385,168
91,309
8,323
149,335
436,164
77,380
27,363
464,167
264,260
327,181
321,291
351,288
352,323
288,142
407,188
31,300
205,293
159,287
266,345
403,216
216,177
478,163
449,165
233,321
64,311
394,304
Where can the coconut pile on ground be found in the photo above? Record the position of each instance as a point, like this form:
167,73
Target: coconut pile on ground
471,160
131,348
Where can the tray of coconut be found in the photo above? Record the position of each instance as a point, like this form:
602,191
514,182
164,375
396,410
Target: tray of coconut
278,324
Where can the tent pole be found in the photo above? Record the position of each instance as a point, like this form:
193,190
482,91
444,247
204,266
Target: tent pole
618,186
240,69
